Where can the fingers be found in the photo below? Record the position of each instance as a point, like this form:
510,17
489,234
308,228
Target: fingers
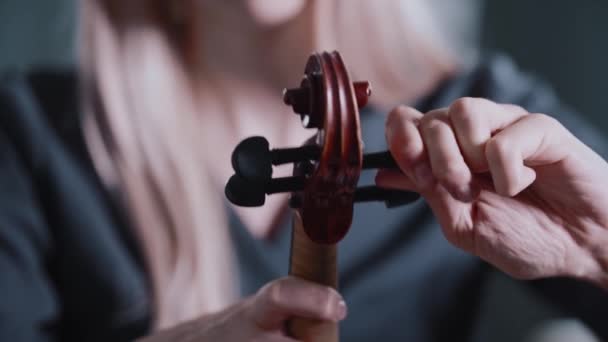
474,121
446,145
535,139
447,163
406,145
472,135
288,297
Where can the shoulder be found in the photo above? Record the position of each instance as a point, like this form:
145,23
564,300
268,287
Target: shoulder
36,107
57,220
46,89
31,107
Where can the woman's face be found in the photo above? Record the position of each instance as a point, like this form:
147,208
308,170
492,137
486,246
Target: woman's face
274,12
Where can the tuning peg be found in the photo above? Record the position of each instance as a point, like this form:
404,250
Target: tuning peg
298,98
302,102
391,197
243,193
252,159
246,193
379,160
363,91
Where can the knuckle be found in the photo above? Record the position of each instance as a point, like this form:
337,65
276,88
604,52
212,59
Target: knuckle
464,107
546,121
399,110
432,127
497,147
273,293
398,114
436,114
464,112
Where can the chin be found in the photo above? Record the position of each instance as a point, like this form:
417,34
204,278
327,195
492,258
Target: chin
275,12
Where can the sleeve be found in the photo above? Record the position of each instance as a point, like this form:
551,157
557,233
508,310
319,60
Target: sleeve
28,306
586,301
504,83
577,298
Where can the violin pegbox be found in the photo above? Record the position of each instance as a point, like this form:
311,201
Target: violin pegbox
327,168
326,101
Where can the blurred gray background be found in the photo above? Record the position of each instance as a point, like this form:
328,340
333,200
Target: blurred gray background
563,41
36,31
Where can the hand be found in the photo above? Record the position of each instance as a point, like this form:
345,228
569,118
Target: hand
516,189
262,316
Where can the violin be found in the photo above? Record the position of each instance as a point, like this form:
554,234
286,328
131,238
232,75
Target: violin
324,184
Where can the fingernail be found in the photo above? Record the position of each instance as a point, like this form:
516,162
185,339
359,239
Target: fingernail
424,175
342,310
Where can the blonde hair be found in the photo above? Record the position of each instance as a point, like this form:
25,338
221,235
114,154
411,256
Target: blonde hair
139,76
142,133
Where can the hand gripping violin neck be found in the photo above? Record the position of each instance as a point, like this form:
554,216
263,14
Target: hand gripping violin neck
325,178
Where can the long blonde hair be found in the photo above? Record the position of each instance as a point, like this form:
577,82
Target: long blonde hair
139,62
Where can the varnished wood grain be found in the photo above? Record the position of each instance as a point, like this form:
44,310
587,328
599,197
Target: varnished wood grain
317,263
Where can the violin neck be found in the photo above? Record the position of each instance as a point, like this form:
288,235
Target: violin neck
310,260
317,263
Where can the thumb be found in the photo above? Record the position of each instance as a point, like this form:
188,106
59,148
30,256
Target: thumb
285,298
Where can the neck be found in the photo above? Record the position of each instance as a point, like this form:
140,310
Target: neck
274,56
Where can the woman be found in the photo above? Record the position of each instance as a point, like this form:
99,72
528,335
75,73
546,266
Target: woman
116,228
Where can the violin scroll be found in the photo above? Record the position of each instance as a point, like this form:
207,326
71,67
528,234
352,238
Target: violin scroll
327,169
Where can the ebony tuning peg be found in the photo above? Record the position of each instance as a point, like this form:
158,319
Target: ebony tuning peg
379,160
302,100
252,159
246,193
391,197
241,193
